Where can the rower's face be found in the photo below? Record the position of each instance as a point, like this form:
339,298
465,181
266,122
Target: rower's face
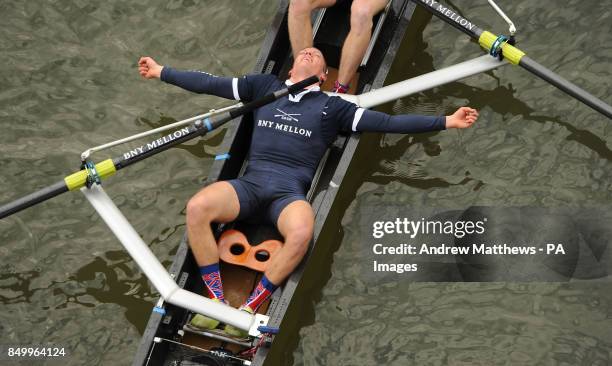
310,60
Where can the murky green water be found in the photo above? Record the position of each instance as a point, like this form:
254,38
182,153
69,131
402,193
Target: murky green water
69,82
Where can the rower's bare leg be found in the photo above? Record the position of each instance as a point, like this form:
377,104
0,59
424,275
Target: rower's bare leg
217,202
356,43
300,27
295,223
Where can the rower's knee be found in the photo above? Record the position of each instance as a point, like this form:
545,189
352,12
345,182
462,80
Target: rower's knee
199,211
298,239
362,13
301,7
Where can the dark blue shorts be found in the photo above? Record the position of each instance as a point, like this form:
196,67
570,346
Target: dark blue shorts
265,195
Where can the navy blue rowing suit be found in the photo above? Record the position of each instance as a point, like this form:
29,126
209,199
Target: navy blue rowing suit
290,135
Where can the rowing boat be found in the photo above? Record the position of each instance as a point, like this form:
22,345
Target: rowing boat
168,338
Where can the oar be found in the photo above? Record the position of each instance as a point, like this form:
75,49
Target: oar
495,44
94,173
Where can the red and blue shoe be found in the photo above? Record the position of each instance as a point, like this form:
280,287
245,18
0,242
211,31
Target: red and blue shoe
340,88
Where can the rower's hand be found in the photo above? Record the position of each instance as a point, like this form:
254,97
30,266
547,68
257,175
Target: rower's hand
148,68
464,117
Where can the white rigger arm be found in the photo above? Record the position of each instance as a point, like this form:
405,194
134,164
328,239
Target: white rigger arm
157,274
424,82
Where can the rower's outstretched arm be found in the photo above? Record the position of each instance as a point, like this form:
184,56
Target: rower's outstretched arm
355,119
373,121
246,88
201,82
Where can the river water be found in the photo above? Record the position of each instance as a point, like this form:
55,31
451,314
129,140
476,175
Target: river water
69,82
